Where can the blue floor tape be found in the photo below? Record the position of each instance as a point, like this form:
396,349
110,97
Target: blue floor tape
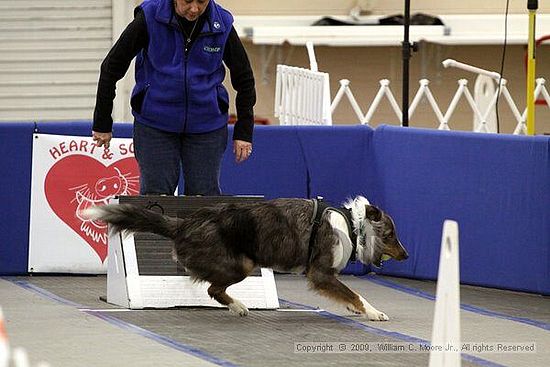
481,311
212,359
163,340
126,325
389,334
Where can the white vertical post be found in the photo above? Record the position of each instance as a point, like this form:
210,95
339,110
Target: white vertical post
4,345
278,91
327,112
301,86
446,325
287,96
20,358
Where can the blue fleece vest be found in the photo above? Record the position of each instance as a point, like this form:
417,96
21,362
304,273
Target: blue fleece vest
175,91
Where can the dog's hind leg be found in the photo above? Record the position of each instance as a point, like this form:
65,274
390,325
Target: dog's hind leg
220,284
327,284
218,293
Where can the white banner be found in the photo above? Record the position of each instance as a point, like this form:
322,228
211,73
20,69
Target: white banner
70,173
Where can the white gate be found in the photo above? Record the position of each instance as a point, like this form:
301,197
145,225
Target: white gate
302,96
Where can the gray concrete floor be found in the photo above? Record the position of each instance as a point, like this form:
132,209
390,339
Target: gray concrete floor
61,320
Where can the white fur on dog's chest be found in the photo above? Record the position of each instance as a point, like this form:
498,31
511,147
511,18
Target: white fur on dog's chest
342,250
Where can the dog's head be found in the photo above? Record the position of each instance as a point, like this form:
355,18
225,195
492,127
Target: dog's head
381,242
376,234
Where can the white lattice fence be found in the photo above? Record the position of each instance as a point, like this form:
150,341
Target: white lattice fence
481,113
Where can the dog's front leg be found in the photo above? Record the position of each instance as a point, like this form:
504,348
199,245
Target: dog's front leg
327,284
372,313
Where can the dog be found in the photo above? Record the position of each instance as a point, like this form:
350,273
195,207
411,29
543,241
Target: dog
224,243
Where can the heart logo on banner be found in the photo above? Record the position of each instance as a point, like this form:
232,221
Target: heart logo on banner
77,182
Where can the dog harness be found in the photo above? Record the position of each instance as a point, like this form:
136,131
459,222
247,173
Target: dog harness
319,209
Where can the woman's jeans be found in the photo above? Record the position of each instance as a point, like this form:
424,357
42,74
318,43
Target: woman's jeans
160,155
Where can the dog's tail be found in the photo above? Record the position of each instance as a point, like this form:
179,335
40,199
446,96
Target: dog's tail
131,218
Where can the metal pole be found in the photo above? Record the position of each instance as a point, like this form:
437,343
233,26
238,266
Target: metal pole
532,6
406,55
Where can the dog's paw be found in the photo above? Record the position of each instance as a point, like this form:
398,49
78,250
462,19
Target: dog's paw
377,316
372,313
238,308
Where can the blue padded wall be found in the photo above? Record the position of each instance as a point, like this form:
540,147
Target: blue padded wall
338,160
15,187
274,169
496,187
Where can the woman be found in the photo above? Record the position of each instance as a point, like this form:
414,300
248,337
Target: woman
179,103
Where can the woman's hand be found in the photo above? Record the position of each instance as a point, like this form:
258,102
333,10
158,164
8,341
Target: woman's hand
102,139
242,150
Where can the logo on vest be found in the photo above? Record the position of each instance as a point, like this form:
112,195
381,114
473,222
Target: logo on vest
212,49
216,25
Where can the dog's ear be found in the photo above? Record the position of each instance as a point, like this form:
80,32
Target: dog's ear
373,213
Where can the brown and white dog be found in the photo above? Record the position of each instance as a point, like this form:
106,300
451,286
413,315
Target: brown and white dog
224,243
